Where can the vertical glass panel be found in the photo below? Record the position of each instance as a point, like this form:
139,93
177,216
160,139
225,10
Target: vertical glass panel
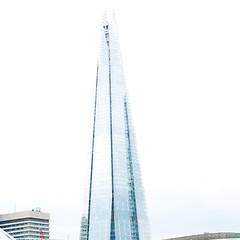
101,186
120,165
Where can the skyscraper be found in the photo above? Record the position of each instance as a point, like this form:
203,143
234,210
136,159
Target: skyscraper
115,204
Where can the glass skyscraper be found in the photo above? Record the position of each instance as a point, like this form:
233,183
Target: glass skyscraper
115,203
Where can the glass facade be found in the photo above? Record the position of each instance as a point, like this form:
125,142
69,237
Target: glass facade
115,204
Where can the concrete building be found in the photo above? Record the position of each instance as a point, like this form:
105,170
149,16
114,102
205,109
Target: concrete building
210,236
26,225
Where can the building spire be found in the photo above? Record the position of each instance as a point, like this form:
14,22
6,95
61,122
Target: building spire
115,203
109,16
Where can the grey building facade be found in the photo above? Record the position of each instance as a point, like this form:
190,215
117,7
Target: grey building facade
26,225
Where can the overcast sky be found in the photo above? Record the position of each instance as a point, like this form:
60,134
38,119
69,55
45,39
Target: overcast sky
182,69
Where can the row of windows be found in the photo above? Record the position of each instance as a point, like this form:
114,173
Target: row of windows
36,232
24,224
27,219
17,233
31,236
39,224
22,228
15,225
14,229
44,229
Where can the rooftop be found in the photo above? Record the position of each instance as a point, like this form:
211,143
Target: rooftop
208,236
17,215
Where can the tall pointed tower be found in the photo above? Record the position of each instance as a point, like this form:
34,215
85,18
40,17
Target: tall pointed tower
115,206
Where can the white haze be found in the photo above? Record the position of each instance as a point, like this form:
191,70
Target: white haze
181,61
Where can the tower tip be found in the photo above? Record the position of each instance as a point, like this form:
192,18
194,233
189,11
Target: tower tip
109,15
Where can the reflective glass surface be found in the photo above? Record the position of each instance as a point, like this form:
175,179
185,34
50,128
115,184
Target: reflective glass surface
115,204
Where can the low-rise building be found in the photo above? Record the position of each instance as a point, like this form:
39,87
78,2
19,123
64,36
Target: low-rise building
26,225
210,236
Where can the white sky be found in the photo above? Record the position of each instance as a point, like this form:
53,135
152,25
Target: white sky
182,68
